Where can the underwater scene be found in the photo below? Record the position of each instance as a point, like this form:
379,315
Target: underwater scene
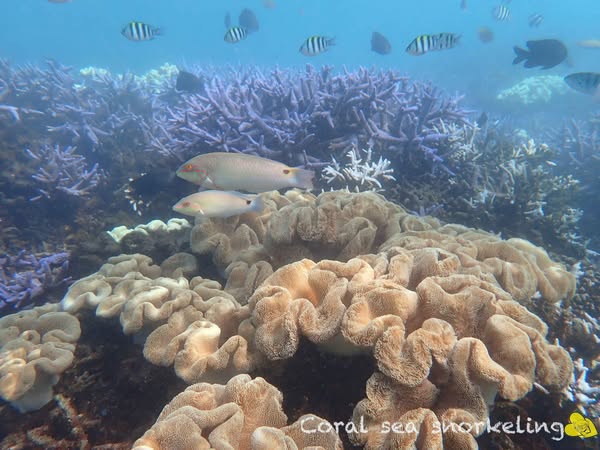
299,224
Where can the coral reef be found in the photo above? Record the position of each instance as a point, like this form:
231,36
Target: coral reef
537,89
437,307
243,414
24,278
36,346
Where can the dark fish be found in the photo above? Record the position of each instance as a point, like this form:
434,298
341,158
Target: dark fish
482,120
248,20
380,44
235,34
546,53
501,13
315,45
485,35
584,82
432,42
139,31
143,189
227,20
463,4
535,20
188,82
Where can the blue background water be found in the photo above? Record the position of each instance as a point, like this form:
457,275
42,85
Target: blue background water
87,32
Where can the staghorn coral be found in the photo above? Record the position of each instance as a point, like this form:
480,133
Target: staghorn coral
243,414
36,346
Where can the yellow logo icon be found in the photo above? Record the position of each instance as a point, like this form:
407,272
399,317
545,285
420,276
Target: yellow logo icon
580,426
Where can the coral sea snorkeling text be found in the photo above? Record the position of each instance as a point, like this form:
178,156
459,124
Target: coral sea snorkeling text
556,430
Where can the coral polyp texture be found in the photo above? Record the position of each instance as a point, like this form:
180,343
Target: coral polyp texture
440,309
36,346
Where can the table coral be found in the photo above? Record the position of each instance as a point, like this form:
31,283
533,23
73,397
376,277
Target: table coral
36,346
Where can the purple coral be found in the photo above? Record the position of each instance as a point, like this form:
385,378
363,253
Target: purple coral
25,277
62,170
304,117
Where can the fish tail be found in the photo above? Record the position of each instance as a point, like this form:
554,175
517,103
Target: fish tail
303,178
521,55
258,204
331,41
158,31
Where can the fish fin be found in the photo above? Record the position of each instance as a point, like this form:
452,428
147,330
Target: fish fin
521,55
303,178
258,204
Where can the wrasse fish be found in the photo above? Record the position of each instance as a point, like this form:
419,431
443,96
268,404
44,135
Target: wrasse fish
218,204
237,171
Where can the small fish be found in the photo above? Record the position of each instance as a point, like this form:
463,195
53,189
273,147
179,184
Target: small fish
142,190
380,44
219,204
535,20
501,13
248,20
315,45
546,53
463,5
139,31
589,43
584,82
240,172
432,42
188,82
269,4
482,120
235,34
485,35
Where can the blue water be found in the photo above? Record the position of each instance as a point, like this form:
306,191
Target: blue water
87,32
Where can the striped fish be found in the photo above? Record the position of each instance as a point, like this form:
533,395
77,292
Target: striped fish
584,82
535,20
139,31
315,45
235,34
501,13
432,42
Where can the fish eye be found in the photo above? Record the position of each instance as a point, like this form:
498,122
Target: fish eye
286,171
185,204
188,167
248,202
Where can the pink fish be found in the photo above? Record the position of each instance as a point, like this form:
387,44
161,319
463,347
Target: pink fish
240,172
218,204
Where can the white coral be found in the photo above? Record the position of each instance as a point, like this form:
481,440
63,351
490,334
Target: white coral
359,170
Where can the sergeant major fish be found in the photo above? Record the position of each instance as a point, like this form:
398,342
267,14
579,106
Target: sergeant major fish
237,171
218,204
501,13
235,34
431,42
535,20
584,82
139,31
315,45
